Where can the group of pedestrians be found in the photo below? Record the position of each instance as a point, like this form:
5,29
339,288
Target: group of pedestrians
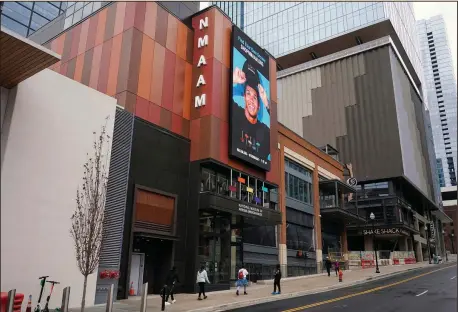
202,279
328,264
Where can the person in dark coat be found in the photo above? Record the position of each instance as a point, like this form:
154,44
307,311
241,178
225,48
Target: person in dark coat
277,278
171,280
328,264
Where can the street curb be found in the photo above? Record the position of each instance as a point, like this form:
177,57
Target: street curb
246,303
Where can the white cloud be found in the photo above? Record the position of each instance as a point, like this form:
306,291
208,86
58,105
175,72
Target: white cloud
425,10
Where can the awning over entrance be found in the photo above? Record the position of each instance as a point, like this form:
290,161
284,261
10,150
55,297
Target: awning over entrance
253,213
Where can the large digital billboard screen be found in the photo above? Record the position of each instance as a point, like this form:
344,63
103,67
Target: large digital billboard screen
250,102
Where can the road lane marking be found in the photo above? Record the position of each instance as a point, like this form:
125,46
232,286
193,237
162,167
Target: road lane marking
422,293
453,277
364,292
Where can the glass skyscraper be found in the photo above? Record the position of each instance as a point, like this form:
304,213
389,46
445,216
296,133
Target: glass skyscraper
285,27
25,17
440,89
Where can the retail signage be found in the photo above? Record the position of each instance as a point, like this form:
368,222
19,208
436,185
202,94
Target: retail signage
250,210
249,190
250,102
202,41
432,232
241,180
264,189
385,231
352,181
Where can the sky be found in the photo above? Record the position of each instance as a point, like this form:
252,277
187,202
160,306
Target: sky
425,10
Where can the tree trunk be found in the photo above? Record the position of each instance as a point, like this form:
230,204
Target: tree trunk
83,300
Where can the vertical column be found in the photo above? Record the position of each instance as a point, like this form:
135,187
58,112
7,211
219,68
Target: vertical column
419,251
345,243
368,243
282,250
317,214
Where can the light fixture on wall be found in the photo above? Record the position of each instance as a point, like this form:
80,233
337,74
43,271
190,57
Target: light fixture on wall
313,55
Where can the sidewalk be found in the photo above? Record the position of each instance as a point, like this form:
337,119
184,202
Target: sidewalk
291,287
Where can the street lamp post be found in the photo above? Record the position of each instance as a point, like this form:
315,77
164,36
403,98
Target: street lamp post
427,243
452,237
372,216
445,249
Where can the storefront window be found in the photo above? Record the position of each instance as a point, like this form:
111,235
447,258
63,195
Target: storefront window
299,230
261,235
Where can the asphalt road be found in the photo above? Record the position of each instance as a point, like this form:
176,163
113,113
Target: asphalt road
433,289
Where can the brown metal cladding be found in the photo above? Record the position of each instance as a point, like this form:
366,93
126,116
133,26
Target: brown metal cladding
110,22
119,19
140,11
129,17
157,77
369,128
161,26
67,47
181,39
134,63
75,41
187,100
179,86
92,33
71,68
146,64
79,68
96,60
150,20
83,37
189,46
168,80
87,66
172,33
105,66
124,61
100,34
166,119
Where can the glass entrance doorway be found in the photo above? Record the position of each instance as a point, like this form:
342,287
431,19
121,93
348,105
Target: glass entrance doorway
220,248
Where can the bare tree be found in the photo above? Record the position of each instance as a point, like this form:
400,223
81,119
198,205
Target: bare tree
88,218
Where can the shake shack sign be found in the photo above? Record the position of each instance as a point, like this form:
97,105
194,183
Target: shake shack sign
250,210
389,231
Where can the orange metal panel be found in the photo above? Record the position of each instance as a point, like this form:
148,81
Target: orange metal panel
181,41
114,65
172,32
146,62
79,67
101,27
187,101
158,74
150,19
119,21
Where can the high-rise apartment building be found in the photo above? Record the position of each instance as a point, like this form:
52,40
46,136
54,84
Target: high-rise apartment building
285,27
26,17
440,89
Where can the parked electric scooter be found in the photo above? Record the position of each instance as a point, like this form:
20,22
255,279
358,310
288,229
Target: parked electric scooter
42,283
46,309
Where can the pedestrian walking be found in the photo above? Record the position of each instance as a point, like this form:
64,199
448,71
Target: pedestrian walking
336,267
328,264
202,278
277,278
242,280
171,280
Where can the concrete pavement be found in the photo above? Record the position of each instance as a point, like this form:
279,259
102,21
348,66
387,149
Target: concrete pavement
291,288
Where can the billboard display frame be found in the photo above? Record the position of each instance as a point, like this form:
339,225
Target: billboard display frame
249,125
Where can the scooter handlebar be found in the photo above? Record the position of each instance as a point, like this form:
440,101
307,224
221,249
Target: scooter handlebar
42,277
52,282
